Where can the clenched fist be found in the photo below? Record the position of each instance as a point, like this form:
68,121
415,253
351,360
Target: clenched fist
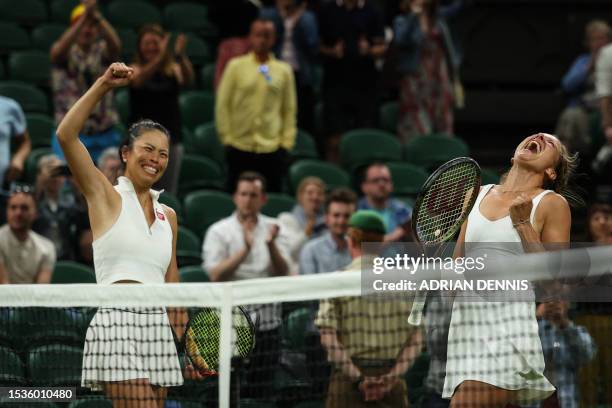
520,209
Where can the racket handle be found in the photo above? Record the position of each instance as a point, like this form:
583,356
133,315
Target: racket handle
416,313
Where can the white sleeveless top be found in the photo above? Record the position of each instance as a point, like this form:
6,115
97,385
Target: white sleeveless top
130,250
481,229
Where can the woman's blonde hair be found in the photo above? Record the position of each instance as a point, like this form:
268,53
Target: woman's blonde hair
306,182
598,25
167,67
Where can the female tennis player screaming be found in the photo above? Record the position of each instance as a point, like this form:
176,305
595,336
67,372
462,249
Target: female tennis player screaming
130,353
494,352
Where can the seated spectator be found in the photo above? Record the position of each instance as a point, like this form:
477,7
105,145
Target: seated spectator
566,348
257,135
377,187
109,164
12,130
297,44
59,217
79,57
602,164
429,63
25,256
249,245
599,224
368,339
307,220
329,252
352,38
159,73
579,85
229,48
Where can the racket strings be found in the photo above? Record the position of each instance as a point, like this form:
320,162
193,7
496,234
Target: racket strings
441,212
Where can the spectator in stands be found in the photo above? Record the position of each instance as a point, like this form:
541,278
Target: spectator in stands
329,252
12,130
256,110
579,85
25,256
603,87
368,340
110,164
596,317
79,57
307,220
297,44
249,245
159,73
429,63
352,38
377,187
566,348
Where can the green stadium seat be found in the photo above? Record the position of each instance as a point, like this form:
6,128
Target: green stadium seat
28,96
40,128
61,9
129,43
197,50
207,77
122,103
185,16
44,35
205,142
55,365
430,151
197,173
305,146
197,107
132,14
388,116
7,337
12,37
72,272
193,274
203,208
360,147
278,203
296,328
30,66
36,326
31,163
489,177
92,402
332,175
25,12
188,248
407,178
11,368
173,202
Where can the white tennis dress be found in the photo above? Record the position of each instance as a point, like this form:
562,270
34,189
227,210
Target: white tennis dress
496,342
132,343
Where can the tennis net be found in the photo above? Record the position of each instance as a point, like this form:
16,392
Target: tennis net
323,339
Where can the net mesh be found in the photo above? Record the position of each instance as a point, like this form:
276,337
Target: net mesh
446,201
318,342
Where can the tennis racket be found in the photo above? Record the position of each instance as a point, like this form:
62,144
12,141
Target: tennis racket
202,335
441,207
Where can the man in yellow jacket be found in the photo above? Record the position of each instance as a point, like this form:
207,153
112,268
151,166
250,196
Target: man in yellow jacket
255,110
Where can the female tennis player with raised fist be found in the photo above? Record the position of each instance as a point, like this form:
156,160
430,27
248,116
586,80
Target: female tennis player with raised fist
130,353
494,354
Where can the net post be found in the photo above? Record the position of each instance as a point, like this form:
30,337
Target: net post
225,348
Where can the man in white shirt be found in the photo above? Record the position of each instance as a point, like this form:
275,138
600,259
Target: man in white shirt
603,87
25,256
249,245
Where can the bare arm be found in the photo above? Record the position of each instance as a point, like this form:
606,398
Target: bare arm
17,162
113,42
178,316
279,264
407,355
142,73
337,355
186,74
224,270
44,275
103,201
59,49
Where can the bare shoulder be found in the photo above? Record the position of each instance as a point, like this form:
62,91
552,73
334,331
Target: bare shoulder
555,202
171,214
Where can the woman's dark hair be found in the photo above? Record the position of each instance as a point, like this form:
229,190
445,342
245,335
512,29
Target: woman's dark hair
136,130
157,30
565,169
594,209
